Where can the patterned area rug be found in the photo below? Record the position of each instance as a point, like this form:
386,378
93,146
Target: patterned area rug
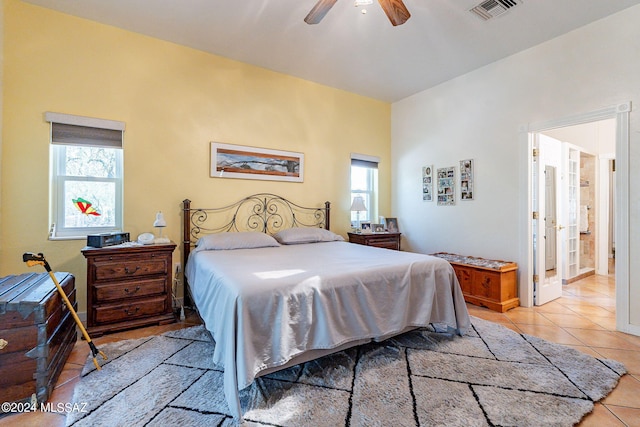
490,377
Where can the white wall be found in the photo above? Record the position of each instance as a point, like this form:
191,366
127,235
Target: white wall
595,137
479,115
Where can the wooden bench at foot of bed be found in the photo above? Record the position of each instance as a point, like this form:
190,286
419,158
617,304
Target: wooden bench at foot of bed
484,282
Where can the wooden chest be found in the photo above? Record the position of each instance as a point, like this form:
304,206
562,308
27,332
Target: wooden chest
488,283
128,287
40,333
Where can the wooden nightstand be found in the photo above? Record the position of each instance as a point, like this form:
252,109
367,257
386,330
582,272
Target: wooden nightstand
379,240
128,286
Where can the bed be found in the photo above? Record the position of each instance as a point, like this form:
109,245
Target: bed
275,288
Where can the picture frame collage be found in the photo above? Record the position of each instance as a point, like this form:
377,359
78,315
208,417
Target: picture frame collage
447,186
445,178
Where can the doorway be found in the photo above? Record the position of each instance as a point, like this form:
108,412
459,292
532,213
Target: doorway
568,204
620,113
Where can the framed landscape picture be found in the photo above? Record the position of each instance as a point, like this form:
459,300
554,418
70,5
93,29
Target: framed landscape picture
238,161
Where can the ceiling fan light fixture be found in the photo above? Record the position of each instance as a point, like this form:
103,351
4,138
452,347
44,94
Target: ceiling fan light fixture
395,10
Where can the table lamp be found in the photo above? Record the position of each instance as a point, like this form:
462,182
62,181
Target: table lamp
160,223
357,205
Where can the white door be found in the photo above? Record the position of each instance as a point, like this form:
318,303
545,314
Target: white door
547,227
571,210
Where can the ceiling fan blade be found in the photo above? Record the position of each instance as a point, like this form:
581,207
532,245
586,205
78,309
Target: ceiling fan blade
396,11
319,10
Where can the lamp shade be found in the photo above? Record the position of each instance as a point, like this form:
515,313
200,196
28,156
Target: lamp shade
160,222
357,204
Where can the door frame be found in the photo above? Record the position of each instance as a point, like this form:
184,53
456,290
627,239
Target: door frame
620,112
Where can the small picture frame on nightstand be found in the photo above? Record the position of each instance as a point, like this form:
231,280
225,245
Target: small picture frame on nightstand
365,227
378,228
392,225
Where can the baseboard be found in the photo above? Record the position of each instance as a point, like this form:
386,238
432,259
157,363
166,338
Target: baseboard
578,277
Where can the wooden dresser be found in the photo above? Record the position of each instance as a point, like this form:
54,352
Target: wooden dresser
39,333
488,283
379,240
128,286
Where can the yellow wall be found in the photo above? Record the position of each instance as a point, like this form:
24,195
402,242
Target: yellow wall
174,101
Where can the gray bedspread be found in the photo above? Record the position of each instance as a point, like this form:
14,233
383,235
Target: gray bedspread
267,306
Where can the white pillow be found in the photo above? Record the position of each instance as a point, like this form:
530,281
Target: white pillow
292,236
240,240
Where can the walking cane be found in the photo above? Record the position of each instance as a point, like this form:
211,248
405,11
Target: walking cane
32,259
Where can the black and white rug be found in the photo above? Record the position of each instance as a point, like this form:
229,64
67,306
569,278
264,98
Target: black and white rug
493,376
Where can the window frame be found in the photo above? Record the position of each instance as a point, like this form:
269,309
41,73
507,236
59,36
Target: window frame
370,193
58,176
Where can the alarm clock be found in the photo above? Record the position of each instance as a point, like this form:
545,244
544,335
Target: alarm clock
106,239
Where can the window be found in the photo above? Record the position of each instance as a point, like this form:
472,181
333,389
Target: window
86,176
364,183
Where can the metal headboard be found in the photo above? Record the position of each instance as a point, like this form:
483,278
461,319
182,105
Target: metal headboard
262,212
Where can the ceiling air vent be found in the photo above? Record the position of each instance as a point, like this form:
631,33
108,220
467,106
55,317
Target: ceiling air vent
491,8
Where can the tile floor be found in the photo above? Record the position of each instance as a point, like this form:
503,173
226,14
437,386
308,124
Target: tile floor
583,318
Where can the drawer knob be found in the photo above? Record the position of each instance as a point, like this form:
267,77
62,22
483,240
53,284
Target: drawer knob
130,312
127,291
126,270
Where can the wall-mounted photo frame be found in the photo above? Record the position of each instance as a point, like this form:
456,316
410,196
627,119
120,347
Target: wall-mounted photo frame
238,161
446,186
466,179
392,225
427,183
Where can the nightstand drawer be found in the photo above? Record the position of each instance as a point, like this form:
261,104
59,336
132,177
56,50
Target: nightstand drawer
132,268
386,242
123,290
121,312
379,240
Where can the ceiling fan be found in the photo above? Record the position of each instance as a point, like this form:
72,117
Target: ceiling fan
395,9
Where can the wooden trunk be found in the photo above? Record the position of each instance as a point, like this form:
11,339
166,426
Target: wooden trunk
40,333
488,283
